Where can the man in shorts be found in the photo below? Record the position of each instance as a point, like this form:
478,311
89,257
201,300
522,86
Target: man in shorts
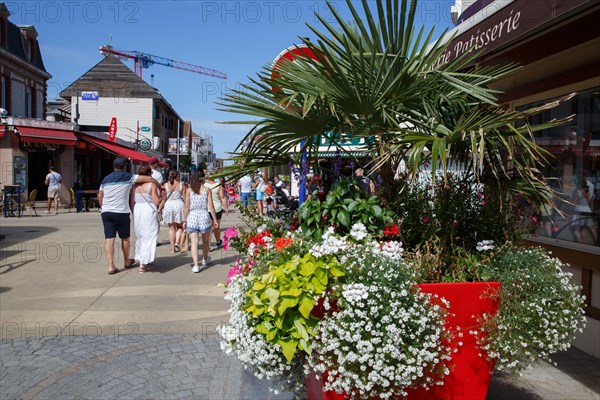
53,181
113,197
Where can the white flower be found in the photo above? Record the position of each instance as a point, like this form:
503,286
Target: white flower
485,245
358,231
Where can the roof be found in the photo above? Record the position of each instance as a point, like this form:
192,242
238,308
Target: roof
14,45
112,78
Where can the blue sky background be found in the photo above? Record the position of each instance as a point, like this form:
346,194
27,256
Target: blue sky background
234,37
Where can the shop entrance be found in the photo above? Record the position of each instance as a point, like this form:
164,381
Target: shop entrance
37,167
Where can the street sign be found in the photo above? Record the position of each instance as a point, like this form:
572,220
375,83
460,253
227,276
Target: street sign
145,144
112,129
89,96
145,129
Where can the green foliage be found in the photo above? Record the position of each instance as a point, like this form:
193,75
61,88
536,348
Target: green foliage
345,205
540,308
441,223
283,298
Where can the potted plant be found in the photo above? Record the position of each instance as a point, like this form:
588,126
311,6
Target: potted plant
469,164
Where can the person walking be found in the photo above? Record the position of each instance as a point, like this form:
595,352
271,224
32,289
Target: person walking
260,187
198,210
172,209
245,189
53,181
220,202
156,174
144,201
114,201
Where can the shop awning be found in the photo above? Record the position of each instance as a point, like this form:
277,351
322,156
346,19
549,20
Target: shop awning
117,149
52,136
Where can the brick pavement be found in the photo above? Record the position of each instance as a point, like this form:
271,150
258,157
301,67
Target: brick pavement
71,331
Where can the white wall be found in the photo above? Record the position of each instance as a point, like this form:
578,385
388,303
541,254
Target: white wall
128,112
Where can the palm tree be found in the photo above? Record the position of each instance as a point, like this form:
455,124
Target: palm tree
380,79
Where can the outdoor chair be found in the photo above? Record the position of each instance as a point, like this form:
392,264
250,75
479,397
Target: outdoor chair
31,202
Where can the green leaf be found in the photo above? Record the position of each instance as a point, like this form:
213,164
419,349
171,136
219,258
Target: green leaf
335,270
291,292
307,267
287,302
344,217
289,348
301,329
306,306
305,345
272,294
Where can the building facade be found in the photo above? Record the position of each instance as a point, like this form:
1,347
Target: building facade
557,45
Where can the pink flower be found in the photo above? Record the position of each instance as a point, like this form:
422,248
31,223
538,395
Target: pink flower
425,219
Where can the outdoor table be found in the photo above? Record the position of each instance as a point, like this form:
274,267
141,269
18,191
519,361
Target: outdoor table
12,197
80,195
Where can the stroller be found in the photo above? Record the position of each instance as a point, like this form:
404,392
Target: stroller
286,206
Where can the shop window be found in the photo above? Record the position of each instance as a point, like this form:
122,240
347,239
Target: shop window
573,170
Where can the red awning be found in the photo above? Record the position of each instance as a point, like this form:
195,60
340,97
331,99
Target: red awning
39,135
117,149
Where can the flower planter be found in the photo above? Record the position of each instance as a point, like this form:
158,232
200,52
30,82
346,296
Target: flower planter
470,373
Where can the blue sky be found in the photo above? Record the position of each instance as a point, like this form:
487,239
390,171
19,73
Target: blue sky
234,37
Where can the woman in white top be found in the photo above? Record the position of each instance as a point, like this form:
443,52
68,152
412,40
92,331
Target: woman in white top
172,208
144,202
219,200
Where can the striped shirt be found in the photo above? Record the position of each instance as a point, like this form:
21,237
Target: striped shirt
116,187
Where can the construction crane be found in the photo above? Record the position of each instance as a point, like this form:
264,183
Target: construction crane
145,60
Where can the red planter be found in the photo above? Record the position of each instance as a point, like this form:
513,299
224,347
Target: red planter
470,373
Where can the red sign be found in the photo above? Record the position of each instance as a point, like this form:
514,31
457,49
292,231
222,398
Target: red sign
231,192
289,55
112,129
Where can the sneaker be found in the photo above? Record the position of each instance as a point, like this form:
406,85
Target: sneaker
219,243
206,261
55,213
196,269
46,212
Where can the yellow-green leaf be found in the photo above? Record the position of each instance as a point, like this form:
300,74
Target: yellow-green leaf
289,348
306,306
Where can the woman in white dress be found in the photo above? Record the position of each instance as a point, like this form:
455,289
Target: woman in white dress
144,204
198,210
172,209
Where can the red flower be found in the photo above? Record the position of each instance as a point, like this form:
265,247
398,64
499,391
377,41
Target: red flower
282,243
391,230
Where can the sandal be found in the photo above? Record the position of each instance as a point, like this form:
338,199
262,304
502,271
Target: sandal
177,248
114,271
141,270
130,265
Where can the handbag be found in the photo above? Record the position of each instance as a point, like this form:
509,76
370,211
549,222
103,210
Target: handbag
184,242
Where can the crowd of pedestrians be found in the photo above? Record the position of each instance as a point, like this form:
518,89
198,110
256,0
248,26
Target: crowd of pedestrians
191,209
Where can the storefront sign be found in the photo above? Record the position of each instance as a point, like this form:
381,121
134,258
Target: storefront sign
112,129
506,25
145,144
35,146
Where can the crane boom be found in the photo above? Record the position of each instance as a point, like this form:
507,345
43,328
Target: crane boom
145,60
